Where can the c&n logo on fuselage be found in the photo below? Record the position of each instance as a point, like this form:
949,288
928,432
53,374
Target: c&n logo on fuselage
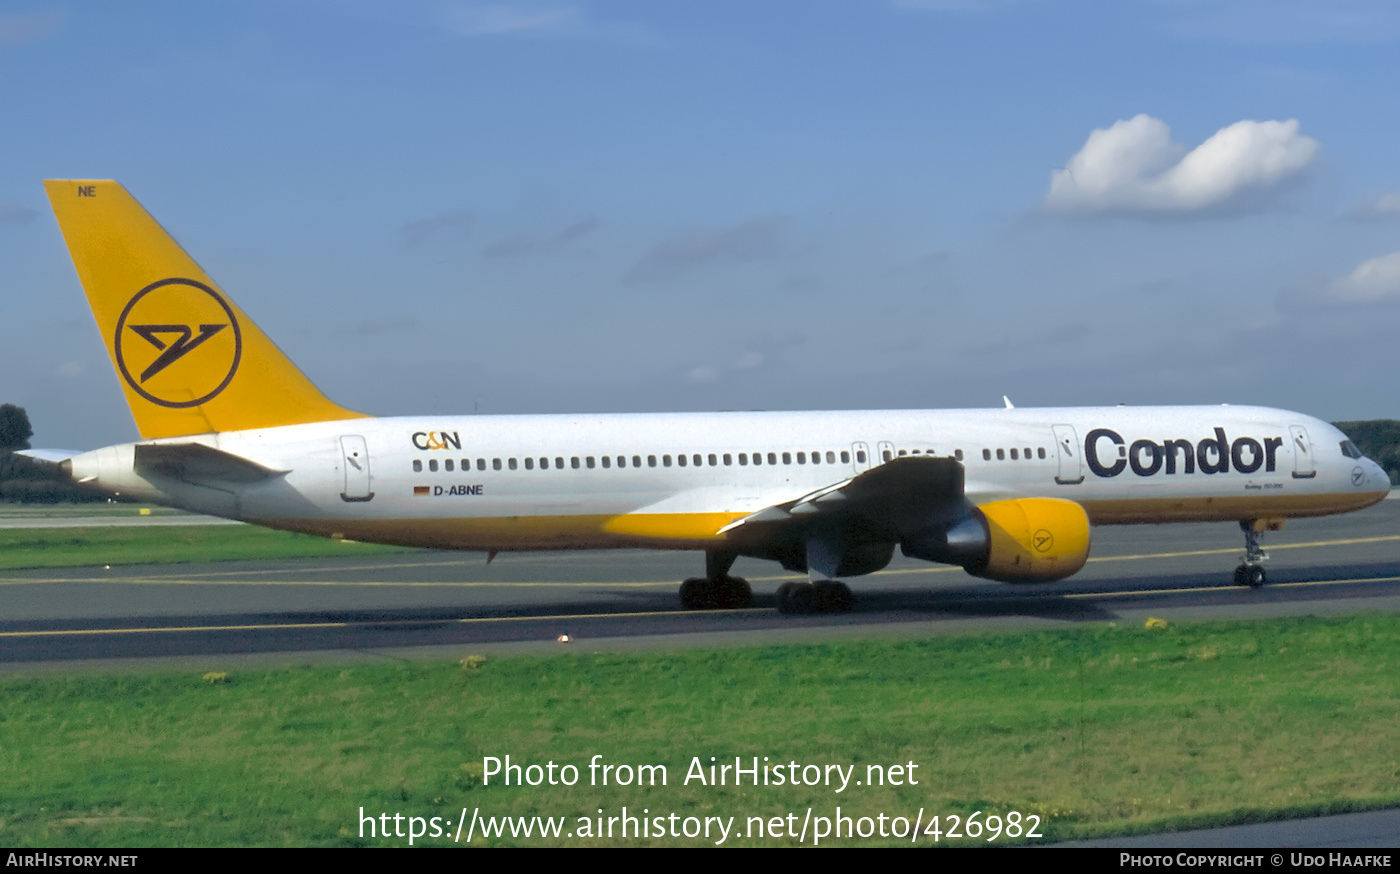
1215,454
437,440
178,343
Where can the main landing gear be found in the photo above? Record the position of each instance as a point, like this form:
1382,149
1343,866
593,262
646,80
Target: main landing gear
823,596
717,590
1251,572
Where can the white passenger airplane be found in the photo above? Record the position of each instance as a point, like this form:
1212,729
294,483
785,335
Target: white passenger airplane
232,428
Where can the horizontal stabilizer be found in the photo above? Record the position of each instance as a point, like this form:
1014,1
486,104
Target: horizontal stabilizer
49,456
197,463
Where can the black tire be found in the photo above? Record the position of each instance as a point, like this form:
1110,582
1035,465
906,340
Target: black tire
1254,575
1241,576
698,593
804,599
784,597
835,597
735,594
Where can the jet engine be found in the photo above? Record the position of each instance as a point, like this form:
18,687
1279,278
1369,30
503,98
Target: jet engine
1023,540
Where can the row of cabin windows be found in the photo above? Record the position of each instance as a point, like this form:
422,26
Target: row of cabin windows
713,459
607,461
1015,454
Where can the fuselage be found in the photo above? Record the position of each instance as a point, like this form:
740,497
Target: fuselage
676,480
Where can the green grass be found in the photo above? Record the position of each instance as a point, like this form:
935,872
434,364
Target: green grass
1100,730
75,547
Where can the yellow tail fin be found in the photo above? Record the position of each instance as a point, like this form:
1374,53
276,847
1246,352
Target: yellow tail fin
188,358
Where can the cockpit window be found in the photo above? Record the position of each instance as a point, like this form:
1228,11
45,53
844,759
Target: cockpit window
1349,449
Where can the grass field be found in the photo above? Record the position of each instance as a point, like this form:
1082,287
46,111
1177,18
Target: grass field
1102,730
70,547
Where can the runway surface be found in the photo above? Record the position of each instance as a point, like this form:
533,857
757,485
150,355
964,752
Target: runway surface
439,604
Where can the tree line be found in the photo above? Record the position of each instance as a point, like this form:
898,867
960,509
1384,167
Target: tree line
24,480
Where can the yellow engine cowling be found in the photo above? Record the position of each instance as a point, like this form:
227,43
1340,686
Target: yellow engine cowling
1033,540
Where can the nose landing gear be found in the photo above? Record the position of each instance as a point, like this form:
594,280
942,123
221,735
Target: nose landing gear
1251,570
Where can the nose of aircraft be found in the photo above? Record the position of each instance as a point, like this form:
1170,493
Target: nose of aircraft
1367,476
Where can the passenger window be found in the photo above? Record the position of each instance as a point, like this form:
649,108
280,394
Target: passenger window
886,454
831,457
589,461
1040,453
680,459
903,452
511,463
957,453
607,461
801,458
846,457
665,461
544,464
636,461
622,461
698,460
744,459
860,457
916,452
816,458
651,461
447,465
529,464
417,465
714,461
432,465
559,464
573,462
481,464
787,458
495,464
986,455
1014,456
772,458
728,459
1001,455
1028,453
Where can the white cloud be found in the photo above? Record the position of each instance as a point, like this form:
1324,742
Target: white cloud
527,20
497,20
1387,206
1375,280
1134,167
753,240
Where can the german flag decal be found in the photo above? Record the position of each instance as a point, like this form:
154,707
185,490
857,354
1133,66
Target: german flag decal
420,490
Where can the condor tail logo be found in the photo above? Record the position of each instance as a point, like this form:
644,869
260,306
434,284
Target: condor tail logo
167,344
190,360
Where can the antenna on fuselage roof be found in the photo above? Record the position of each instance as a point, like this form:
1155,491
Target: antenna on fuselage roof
1009,405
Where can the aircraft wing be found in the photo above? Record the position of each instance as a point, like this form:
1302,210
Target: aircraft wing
837,525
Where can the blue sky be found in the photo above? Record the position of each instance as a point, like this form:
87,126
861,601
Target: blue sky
645,206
